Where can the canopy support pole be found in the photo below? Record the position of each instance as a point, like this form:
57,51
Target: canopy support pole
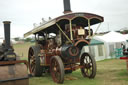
71,36
64,33
89,29
97,28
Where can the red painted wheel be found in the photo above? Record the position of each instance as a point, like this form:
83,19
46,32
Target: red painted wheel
57,69
89,65
31,61
34,62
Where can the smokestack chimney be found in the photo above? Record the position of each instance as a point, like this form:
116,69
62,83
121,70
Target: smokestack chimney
67,8
7,34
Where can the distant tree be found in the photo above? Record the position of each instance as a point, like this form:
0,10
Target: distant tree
17,39
28,39
124,32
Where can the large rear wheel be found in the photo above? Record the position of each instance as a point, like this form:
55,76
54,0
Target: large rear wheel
89,65
34,62
57,69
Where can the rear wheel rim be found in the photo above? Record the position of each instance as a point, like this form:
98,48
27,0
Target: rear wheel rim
32,62
55,70
88,69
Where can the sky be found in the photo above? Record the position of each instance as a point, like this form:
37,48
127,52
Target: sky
23,13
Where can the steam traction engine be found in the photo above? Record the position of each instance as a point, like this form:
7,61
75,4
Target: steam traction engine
12,71
59,43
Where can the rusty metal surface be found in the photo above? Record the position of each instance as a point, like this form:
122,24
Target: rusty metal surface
13,62
14,79
13,71
16,82
14,74
73,67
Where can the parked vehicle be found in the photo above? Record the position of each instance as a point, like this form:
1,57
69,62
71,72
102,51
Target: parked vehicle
59,44
10,64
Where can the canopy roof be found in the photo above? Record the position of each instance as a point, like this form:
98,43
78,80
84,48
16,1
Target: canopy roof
79,18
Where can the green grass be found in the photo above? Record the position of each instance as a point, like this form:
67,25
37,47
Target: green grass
47,80
109,72
22,49
123,75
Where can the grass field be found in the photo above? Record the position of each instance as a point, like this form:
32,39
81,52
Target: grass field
109,72
22,49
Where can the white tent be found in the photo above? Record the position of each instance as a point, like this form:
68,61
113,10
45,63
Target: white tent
112,37
13,41
111,41
126,37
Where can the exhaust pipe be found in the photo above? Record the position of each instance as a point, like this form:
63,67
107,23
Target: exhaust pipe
7,34
67,8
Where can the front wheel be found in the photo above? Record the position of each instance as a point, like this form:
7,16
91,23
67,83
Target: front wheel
89,65
57,69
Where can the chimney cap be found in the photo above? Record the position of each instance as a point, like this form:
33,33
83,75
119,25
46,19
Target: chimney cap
66,12
6,22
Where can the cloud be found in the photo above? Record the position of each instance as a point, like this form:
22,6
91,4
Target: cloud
23,13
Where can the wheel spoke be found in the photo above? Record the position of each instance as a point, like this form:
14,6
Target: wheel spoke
33,68
88,69
33,57
88,72
57,69
86,59
90,65
57,75
90,61
32,61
